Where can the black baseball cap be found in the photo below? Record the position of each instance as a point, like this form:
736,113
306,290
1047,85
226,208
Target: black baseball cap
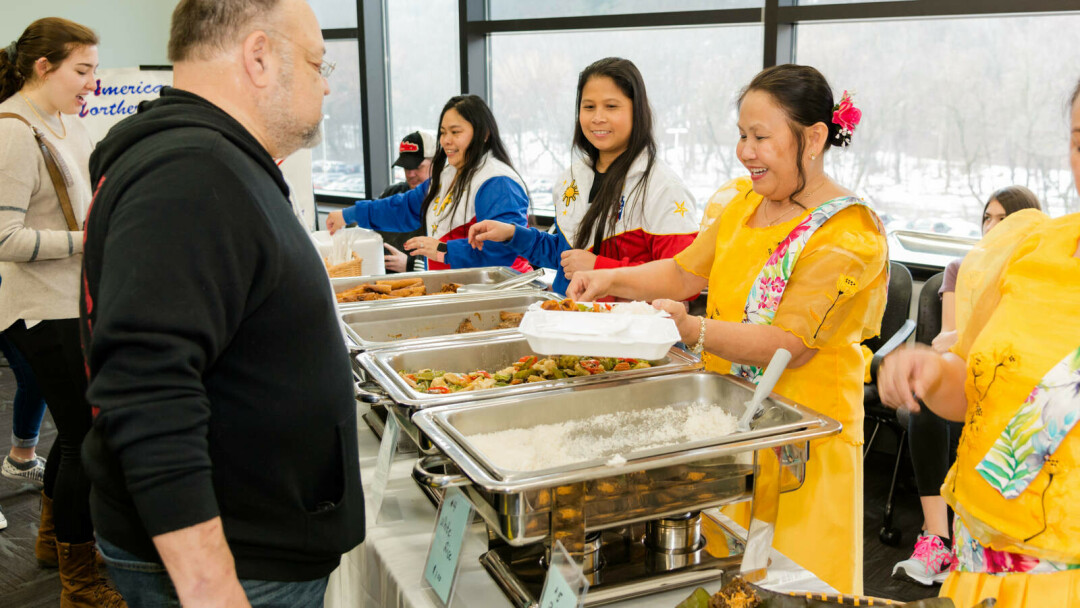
414,148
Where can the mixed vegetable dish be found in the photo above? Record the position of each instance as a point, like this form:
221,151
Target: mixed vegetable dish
529,368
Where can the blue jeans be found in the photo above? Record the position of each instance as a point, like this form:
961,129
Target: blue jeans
147,585
29,408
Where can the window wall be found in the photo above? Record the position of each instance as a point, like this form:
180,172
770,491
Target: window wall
337,163
397,64
423,45
525,9
954,109
960,97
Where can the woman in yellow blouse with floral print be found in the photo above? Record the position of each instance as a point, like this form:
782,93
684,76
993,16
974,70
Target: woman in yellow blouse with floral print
1013,377
792,260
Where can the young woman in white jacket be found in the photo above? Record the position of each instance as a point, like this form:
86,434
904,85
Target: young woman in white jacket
617,204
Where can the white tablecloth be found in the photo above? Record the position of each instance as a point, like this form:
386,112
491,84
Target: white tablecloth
385,570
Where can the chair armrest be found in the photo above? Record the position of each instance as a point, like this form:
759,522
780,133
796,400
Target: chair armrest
896,340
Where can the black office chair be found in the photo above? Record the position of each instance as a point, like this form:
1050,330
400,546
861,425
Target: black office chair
928,324
896,328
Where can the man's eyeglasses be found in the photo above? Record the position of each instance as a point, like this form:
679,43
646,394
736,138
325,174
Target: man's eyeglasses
325,67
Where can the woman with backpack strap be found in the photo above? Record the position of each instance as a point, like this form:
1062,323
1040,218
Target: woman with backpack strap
45,192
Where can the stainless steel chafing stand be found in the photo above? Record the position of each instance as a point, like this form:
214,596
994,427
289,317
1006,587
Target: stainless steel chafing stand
635,527
466,353
434,280
423,319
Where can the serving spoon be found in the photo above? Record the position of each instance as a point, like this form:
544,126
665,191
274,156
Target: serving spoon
775,369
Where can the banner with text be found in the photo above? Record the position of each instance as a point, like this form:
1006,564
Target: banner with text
118,94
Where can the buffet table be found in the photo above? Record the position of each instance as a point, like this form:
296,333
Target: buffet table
385,570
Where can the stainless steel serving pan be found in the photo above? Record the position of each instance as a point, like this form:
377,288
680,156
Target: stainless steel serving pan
434,280
467,353
652,484
423,319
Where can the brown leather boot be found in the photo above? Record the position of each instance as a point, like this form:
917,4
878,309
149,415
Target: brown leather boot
45,546
83,586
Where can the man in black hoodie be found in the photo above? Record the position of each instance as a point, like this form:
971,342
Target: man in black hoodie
224,444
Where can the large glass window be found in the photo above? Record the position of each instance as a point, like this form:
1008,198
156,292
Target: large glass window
814,2
333,14
527,9
424,66
953,109
692,76
338,162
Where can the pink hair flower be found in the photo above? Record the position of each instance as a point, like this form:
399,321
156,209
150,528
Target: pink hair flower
847,117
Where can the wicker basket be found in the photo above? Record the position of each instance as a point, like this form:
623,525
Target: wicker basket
352,268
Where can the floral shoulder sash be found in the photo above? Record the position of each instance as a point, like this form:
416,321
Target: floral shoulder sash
768,288
1036,430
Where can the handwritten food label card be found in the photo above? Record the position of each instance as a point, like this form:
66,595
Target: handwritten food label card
444,555
565,585
391,434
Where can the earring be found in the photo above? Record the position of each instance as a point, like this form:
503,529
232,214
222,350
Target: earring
813,156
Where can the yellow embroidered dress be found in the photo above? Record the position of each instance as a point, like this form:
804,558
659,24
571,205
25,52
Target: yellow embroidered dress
833,301
1018,311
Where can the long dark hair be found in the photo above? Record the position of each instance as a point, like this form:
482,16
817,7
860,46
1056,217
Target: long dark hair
1013,199
485,139
604,211
807,99
52,38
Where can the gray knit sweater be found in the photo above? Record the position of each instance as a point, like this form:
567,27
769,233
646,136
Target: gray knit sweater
40,260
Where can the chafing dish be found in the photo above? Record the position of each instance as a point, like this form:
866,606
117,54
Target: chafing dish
420,318
634,526
467,353
434,280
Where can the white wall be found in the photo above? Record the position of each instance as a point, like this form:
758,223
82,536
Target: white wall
132,32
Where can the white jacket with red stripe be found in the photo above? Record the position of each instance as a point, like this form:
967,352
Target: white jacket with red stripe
654,223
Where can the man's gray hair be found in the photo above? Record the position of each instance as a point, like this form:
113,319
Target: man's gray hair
203,28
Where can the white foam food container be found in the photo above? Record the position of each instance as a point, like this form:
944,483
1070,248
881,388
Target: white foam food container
551,332
367,244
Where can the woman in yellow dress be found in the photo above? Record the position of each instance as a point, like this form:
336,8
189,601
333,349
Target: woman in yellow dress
792,260
1013,377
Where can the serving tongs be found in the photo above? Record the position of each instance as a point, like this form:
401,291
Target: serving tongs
510,283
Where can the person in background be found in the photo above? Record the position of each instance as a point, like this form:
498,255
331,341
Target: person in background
472,180
27,411
1002,203
45,77
792,260
932,439
1013,378
619,205
224,453
414,156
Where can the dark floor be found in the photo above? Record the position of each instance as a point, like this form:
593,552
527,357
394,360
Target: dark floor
878,559
24,585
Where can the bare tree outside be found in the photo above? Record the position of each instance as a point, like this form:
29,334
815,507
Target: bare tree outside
953,109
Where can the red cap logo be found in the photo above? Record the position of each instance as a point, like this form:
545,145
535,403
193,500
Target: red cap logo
408,146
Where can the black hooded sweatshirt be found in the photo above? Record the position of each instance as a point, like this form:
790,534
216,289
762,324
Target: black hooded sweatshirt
218,375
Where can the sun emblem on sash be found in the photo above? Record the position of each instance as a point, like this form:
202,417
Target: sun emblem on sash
440,206
571,193
680,209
